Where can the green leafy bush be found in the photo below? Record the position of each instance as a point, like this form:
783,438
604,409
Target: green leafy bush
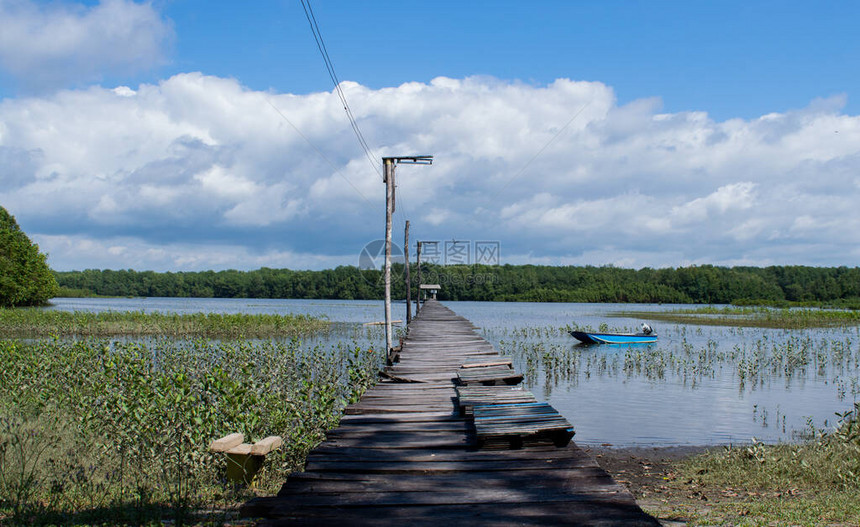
25,279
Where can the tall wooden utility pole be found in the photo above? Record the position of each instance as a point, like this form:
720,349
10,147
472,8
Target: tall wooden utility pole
408,280
388,164
418,295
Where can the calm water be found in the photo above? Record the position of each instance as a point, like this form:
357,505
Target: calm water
666,401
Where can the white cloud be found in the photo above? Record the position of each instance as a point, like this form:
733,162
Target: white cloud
436,216
199,169
82,252
728,198
50,45
124,91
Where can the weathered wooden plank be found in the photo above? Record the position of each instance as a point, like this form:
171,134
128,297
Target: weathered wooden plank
405,441
370,409
597,512
516,423
477,363
470,396
435,425
322,465
417,417
530,477
489,375
473,492
546,454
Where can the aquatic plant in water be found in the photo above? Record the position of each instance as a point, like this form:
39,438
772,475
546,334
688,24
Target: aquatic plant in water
690,356
35,322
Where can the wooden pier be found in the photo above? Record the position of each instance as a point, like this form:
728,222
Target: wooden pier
404,454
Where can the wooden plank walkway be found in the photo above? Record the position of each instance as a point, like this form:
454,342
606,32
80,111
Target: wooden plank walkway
404,455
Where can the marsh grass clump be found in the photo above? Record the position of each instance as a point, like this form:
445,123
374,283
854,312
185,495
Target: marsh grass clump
538,350
44,323
684,355
117,431
760,317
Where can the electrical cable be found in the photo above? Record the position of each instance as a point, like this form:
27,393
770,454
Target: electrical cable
400,213
318,151
309,14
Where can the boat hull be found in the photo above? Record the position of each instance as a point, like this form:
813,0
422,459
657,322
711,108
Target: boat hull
614,338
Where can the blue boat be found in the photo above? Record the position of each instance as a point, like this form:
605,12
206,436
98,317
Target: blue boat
646,336
614,338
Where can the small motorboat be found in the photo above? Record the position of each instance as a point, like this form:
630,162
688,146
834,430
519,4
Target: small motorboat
645,336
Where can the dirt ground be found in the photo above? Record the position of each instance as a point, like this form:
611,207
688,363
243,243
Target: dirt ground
649,474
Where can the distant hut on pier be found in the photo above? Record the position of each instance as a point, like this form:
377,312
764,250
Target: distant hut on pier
432,289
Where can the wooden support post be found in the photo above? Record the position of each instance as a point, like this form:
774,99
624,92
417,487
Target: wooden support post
418,270
388,167
408,278
388,164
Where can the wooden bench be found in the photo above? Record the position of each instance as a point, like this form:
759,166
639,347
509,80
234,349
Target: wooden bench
489,376
471,396
244,460
513,424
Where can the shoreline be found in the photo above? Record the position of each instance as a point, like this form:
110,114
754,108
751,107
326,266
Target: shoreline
648,473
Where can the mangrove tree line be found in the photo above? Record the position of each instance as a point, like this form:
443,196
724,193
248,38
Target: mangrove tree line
697,284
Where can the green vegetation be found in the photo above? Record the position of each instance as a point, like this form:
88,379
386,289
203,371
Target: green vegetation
762,317
68,292
116,432
781,286
25,279
814,483
35,322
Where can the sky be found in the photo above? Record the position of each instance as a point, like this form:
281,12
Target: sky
181,135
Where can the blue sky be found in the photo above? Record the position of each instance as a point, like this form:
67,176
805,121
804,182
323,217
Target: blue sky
731,59
163,135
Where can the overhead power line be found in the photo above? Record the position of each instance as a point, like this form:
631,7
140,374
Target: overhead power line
309,13
318,151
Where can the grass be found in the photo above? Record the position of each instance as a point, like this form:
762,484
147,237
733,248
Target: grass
839,303
116,432
36,322
69,292
698,506
761,317
813,483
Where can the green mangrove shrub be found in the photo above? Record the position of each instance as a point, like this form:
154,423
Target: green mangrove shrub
25,279
136,418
